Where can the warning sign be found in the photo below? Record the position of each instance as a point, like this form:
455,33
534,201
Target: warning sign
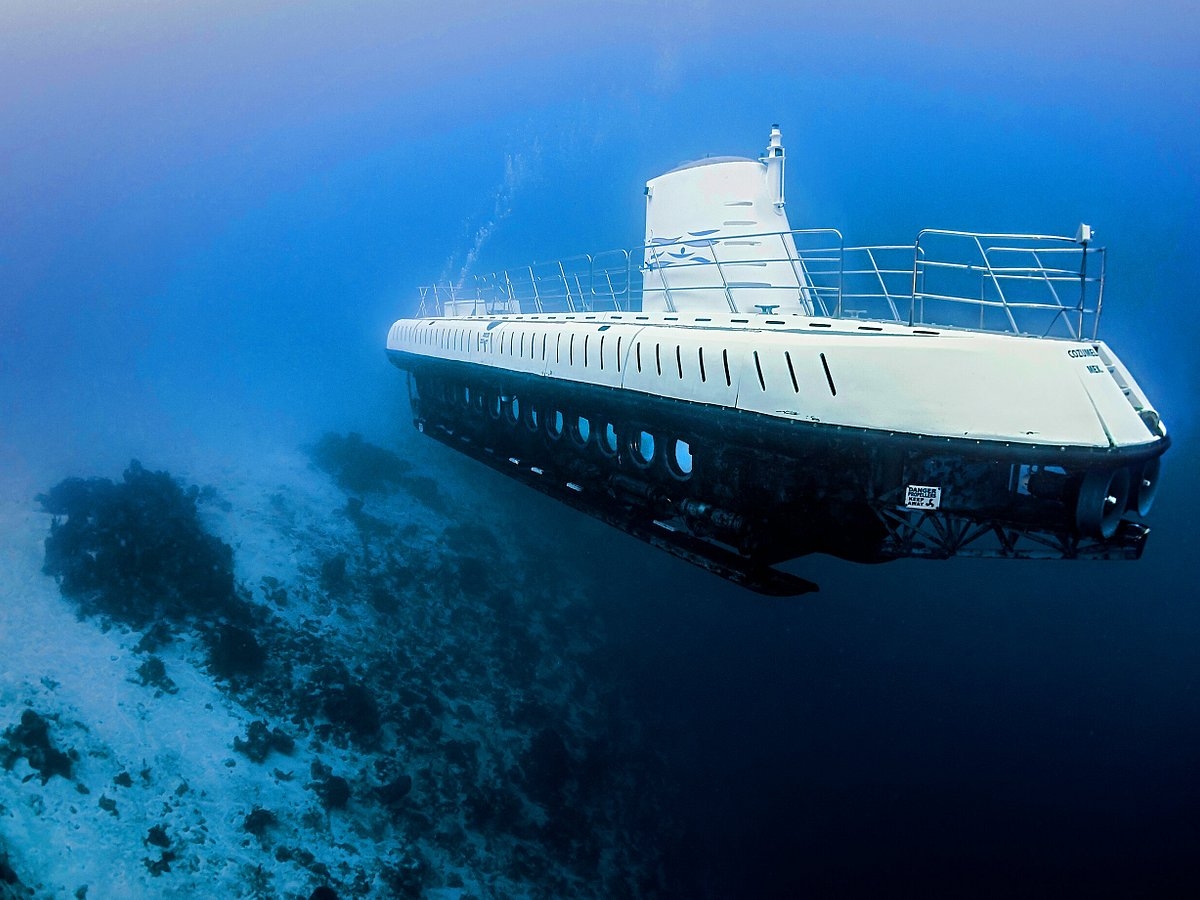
921,496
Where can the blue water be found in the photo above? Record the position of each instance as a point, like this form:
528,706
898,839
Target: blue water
209,217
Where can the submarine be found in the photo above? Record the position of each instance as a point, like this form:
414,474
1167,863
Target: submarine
741,393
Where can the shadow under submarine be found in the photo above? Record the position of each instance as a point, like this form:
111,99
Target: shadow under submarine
740,393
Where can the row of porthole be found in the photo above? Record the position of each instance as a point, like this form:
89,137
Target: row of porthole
644,448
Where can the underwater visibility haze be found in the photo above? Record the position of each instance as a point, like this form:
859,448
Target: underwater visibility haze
402,675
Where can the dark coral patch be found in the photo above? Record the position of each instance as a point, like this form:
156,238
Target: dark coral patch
234,651
31,739
358,466
135,551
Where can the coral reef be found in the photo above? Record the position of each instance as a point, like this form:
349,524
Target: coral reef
136,551
30,739
416,691
356,465
153,673
234,651
11,886
262,740
334,790
360,467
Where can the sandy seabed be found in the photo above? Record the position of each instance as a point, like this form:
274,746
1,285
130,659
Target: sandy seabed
494,762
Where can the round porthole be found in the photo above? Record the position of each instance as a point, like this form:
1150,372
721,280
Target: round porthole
581,430
679,459
641,447
514,410
608,439
495,406
465,395
532,417
555,423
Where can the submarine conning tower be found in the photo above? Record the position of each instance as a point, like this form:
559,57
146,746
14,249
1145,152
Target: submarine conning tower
726,210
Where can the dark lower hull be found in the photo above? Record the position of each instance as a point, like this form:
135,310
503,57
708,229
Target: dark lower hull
738,492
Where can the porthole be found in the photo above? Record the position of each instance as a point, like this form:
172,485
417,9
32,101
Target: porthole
555,422
532,418
608,439
478,401
641,447
581,430
513,409
495,406
679,459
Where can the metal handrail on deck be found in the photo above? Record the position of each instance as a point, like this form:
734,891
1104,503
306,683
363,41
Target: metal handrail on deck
1032,288
1015,283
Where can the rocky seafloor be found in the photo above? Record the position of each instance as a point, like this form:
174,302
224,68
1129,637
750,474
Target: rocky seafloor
328,668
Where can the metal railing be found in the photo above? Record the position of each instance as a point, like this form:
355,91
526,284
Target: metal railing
1023,283
798,271
1042,285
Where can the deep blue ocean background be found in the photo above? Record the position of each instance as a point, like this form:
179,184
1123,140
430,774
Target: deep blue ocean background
211,213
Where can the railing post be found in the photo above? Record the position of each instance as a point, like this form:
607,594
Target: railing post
1062,311
793,259
591,274
661,276
724,281
841,271
912,299
584,297
537,297
629,277
566,286
999,290
1099,295
508,305
1082,283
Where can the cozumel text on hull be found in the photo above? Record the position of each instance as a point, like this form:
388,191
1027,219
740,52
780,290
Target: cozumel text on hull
740,393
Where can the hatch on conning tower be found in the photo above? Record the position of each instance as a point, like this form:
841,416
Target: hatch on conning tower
717,237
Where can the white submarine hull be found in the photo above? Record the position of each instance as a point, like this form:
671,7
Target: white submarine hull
740,422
